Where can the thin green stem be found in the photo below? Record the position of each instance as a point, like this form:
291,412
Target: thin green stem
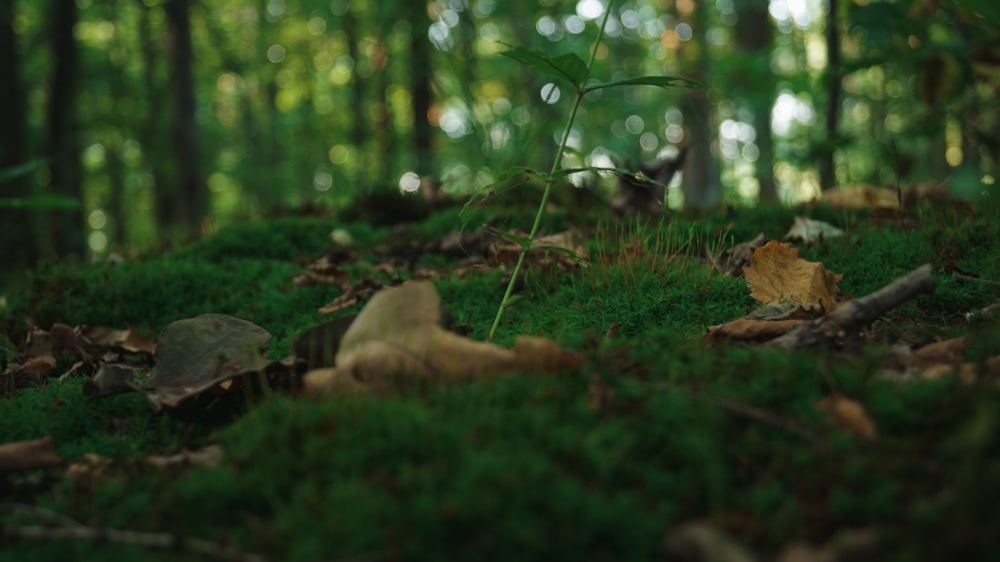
580,92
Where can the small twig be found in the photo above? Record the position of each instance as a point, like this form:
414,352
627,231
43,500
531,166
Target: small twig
971,279
858,313
761,415
41,514
73,530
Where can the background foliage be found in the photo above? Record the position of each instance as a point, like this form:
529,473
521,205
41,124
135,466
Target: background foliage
166,117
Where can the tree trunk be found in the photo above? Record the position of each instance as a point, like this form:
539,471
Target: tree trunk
191,199
12,151
357,105
65,230
151,132
700,182
420,89
754,37
382,154
827,170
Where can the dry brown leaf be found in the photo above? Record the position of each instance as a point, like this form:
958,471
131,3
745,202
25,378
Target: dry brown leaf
850,415
397,335
747,329
565,250
210,456
28,455
736,258
361,290
776,274
88,469
950,352
861,196
324,271
41,365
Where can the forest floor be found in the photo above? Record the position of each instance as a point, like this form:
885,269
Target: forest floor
690,391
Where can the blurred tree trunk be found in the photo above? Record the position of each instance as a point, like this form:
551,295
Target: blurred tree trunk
65,230
190,197
754,36
12,146
420,88
151,132
357,104
827,170
382,152
700,182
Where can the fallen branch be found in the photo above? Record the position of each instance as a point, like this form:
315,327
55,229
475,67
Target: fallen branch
858,313
73,530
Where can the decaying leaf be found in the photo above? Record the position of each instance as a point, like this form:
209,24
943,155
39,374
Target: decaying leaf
703,542
28,455
861,196
810,231
196,354
748,329
562,250
397,335
776,274
733,260
850,415
110,379
360,290
324,271
209,456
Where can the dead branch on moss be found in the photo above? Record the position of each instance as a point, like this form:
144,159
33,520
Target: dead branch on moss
858,313
69,529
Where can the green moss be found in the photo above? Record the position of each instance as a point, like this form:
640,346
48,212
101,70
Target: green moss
528,467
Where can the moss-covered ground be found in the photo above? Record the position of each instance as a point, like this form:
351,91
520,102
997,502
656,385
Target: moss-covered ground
533,467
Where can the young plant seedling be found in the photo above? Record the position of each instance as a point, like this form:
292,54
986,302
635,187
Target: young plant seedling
570,68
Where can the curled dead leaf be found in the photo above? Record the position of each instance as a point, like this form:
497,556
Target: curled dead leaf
397,335
850,415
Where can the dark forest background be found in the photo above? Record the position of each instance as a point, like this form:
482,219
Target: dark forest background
125,123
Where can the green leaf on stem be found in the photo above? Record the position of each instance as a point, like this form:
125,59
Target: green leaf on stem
568,66
659,81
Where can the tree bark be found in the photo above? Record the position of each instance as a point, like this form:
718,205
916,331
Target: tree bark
191,199
420,89
827,170
358,132
700,181
65,228
754,37
12,145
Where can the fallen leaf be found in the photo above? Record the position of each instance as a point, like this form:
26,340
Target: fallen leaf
361,290
703,542
733,260
18,456
776,274
809,231
131,341
208,457
110,379
850,415
748,329
397,335
860,196
196,354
